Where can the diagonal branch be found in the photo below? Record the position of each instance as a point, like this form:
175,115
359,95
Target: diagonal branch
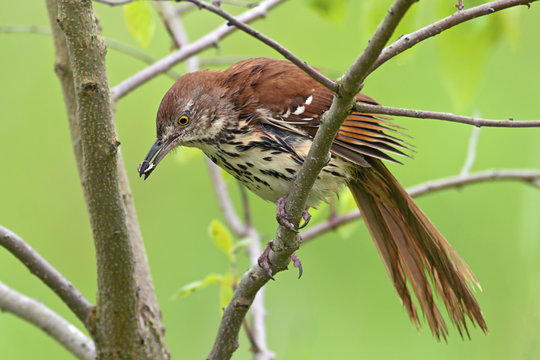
112,44
47,320
528,176
46,273
257,335
407,41
386,110
286,240
209,40
257,309
331,85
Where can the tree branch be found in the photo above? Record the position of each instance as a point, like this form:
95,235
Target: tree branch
420,114
286,241
331,85
528,176
407,41
210,39
114,3
46,273
224,200
257,309
258,334
113,44
150,313
127,316
47,320
471,152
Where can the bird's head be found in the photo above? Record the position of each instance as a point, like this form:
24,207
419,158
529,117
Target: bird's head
193,112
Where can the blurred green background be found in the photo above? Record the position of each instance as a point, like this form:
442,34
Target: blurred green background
344,306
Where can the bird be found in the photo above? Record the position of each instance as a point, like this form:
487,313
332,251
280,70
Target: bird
257,120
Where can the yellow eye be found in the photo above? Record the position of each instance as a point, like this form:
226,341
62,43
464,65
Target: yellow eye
183,120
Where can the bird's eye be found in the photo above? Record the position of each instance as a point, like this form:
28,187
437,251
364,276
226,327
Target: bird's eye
183,120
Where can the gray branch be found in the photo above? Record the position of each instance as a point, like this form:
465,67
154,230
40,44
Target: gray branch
331,85
528,176
47,320
286,240
421,114
407,41
113,44
209,40
257,309
46,273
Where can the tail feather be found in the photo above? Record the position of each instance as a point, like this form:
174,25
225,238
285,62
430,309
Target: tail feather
414,251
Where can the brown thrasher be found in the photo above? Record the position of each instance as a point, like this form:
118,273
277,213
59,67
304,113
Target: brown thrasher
257,120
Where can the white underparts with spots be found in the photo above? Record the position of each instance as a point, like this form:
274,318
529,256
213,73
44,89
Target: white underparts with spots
267,164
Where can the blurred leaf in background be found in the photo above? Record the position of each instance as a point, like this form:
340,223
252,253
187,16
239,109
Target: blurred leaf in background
139,21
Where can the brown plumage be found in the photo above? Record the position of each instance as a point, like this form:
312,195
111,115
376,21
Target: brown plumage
257,120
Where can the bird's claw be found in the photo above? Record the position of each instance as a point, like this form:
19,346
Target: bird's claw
264,261
297,264
306,216
283,218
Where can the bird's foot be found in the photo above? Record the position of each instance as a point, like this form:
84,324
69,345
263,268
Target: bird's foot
283,218
264,260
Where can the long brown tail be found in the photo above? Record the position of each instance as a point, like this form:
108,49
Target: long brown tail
413,249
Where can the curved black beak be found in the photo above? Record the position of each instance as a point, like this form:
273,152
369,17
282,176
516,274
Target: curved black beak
154,156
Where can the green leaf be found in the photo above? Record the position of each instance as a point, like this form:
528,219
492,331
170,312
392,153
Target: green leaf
226,290
222,238
139,21
333,10
196,285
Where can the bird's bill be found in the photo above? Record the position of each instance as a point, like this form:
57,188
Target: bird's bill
154,156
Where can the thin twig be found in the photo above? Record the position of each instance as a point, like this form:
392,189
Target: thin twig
224,200
114,3
407,41
137,54
330,84
245,205
471,152
286,241
112,44
421,114
180,34
209,40
164,14
47,320
238,3
183,8
46,273
257,309
249,333
528,176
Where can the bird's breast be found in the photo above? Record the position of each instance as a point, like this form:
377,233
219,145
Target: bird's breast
267,164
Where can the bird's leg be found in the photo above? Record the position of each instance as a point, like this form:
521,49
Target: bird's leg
306,216
281,214
283,218
297,264
264,260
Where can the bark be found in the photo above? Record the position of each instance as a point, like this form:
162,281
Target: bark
127,320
